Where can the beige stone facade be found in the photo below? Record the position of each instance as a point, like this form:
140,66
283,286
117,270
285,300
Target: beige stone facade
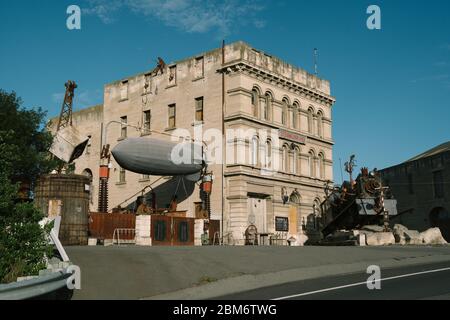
250,90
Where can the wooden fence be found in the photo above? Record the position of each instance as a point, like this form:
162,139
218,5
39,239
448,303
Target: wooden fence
102,225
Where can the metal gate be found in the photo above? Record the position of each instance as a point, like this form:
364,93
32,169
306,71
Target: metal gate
172,231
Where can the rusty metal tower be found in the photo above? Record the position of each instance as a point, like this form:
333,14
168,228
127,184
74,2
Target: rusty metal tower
65,118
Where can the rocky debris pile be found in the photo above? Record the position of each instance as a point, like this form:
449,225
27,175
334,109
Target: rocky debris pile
375,236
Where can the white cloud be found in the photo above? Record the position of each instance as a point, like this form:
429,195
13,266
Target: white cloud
104,10
192,16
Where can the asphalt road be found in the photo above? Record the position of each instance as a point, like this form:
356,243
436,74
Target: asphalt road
206,272
431,281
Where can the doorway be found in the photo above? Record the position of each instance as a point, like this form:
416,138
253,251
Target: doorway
258,214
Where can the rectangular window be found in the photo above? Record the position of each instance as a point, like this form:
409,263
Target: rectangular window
122,175
172,75
281,224
199,68
124,90
145,177
438,181
123,128
199,109
172,116
147,121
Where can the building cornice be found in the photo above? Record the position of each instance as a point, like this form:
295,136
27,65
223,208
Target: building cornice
242,66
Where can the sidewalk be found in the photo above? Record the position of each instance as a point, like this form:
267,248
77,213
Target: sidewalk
206,272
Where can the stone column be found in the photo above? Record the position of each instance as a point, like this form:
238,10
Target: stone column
143,230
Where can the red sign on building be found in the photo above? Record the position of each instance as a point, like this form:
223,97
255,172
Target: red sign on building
291,136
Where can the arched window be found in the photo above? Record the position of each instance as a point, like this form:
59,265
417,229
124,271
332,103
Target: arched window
87,173
284,111
310,120
255,102
311,166
255,151
267,106
295,161
268,160
321,166
295,116
320,124
285,159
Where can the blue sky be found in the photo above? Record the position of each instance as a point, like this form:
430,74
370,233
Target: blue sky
392,85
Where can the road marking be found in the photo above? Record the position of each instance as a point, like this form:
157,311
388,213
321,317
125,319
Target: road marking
360,284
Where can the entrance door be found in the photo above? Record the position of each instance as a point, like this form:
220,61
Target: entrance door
172,231
258,214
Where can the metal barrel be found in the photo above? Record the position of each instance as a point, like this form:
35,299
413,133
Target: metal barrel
67,196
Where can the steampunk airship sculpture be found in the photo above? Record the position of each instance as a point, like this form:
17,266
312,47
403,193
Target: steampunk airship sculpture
357,203
152,156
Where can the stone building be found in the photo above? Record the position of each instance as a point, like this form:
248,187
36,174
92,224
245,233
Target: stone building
421,186
244,89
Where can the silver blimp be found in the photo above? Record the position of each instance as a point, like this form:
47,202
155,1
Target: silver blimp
152,156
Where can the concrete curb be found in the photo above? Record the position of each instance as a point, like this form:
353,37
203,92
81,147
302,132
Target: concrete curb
250,282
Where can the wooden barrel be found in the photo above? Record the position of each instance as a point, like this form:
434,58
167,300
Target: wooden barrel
67,196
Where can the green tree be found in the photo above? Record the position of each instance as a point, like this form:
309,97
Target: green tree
24,145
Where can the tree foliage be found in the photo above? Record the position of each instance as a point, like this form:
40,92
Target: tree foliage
23,157
22,134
